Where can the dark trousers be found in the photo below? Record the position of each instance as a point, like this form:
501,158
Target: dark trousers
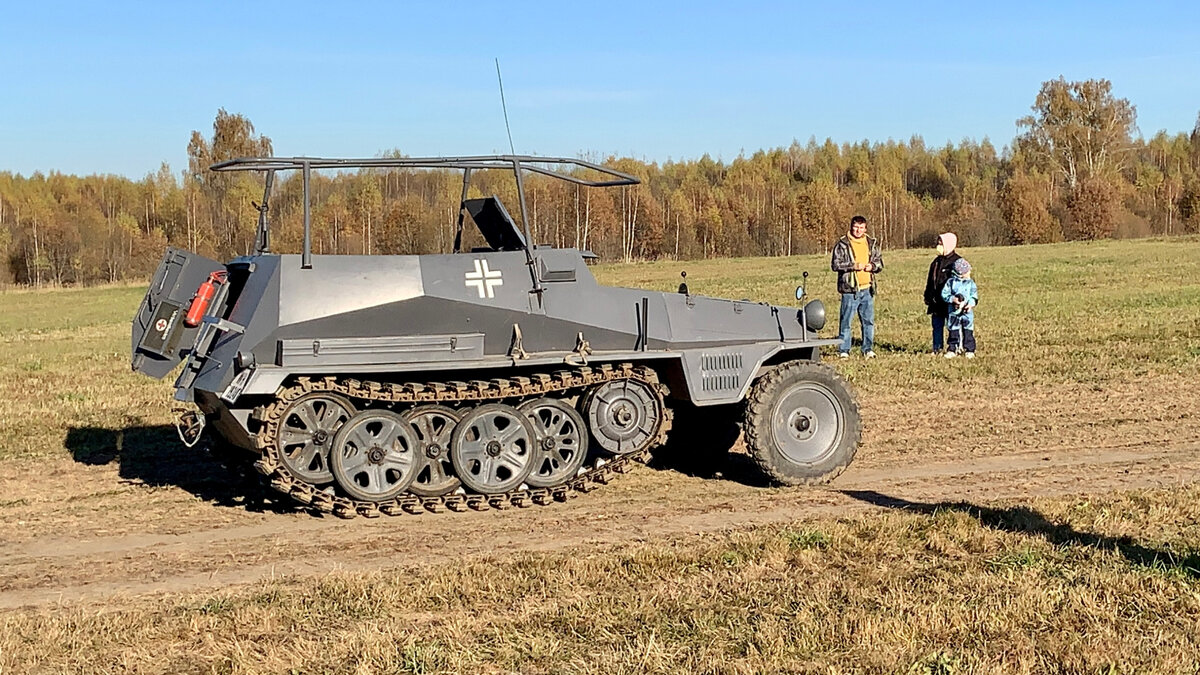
939,330
961,336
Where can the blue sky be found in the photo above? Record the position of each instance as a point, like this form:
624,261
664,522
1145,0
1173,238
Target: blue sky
119,87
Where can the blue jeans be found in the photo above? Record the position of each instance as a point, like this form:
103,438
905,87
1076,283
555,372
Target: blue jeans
863,303
939,330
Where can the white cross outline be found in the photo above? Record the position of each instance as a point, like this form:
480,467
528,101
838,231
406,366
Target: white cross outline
483,279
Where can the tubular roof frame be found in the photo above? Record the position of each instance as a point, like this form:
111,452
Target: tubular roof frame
522,162
467,164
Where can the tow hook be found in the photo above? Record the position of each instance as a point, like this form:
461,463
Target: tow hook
190,425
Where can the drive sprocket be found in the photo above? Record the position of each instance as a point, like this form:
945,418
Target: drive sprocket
623,416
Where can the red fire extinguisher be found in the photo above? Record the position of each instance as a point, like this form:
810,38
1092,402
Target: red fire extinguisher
204,295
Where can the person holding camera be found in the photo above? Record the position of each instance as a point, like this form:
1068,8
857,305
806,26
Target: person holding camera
857,259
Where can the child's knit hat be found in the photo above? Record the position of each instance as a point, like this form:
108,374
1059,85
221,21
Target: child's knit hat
962,267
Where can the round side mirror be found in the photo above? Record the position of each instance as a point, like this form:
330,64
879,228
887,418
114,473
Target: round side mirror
799,292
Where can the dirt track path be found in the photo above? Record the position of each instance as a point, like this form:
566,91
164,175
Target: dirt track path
231,546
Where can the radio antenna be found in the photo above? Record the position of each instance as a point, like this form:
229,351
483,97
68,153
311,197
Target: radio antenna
504,107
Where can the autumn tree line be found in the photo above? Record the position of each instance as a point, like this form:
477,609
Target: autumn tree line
1076,170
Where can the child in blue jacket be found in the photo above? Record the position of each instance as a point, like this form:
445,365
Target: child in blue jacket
961,294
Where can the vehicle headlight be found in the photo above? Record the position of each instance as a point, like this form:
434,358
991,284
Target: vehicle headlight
814,315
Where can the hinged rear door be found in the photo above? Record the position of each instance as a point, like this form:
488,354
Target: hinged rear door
160,339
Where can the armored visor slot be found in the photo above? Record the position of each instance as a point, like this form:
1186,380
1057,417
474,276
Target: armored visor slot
552,274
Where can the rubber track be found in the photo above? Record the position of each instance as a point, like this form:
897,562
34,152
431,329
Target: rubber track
366,393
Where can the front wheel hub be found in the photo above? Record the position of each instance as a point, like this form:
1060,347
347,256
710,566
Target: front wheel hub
803,424
809,422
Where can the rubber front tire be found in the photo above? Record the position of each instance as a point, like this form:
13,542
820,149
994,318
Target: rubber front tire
802,424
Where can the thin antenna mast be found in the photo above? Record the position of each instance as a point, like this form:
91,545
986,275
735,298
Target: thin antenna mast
516,165
504,106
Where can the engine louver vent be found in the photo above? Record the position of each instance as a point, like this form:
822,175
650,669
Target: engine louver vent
721,371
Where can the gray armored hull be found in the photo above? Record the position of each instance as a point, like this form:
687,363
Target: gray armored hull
368,384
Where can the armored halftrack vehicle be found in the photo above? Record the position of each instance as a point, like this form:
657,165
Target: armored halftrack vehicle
504,375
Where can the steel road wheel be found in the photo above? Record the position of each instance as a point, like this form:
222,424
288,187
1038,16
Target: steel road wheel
373,457
492,448
560,439
433,426
623,416
306,433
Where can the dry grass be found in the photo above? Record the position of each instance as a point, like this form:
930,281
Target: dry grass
1106,585
64,364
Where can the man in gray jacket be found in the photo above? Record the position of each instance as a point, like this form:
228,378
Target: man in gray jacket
857,259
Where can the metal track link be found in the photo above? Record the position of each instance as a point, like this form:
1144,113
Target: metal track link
568,382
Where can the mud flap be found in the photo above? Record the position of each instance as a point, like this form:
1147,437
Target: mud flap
160,340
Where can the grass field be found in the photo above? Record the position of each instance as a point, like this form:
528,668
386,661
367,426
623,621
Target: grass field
1100,586
1082,347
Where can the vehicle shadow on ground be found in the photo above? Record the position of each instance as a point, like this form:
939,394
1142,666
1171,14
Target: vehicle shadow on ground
707,450
731,466
1024,520
154,456
884,347
881,347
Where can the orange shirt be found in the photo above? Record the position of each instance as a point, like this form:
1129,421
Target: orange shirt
860,250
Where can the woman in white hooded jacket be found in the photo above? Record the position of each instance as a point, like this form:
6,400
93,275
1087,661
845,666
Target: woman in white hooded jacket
939,273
